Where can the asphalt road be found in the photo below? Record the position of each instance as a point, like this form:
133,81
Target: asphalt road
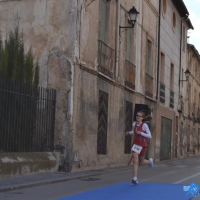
181,171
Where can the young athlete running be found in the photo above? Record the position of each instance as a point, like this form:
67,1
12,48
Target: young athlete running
139,147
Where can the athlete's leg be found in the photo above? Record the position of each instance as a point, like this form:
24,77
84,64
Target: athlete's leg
142,155
143,161
135,164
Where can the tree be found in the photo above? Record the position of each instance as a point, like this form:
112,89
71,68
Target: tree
15,64
19,79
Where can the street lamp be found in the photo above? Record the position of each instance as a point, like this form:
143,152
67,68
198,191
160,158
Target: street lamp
180,104
133,13
187,74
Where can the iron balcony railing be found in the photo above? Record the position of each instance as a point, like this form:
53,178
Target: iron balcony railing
130,74
105,56
171,103
162,92
148,85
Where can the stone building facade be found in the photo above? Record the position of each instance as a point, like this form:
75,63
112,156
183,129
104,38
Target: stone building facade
48,26
112,79
172,58
105,73
189,135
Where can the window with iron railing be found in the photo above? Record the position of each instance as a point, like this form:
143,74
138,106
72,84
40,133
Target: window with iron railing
104,20
149,57
129,44
106,55
162,92
171,103
148,85
130,75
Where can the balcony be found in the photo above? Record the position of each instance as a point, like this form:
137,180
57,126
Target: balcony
129,75
105,57
171,103
148,85
162,92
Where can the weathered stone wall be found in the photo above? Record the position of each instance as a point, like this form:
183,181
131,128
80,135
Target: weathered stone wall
86,121
49,27
189,132
88,81
14,164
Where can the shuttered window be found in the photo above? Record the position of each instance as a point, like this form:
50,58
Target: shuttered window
149,57
129,45
102,123
128,126
104,20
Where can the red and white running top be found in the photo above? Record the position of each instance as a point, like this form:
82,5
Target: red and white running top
142,138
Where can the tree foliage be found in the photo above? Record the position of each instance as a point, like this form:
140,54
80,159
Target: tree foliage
19,94
15,64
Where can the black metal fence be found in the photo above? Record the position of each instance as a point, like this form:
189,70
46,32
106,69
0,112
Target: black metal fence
27,117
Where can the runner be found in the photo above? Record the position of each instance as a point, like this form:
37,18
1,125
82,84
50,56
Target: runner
139,146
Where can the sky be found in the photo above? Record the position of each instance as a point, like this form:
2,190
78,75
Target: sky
193,7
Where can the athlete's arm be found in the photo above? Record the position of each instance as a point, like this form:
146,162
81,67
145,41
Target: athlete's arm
132,132
148,133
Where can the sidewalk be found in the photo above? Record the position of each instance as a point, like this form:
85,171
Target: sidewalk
19,182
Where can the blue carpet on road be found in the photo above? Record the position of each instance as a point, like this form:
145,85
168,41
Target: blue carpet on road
128,191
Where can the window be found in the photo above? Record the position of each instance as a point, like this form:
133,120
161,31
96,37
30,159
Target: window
172,77
171,104
105,53
189,99
128,126
149,57
162,72
102,123
173,21
184,38
164,8
162,78
129,45
104,20
176,124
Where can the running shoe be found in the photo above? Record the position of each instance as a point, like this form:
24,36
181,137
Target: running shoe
135,181
151,162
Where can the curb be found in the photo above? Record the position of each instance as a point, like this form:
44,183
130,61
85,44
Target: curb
59,180
40,183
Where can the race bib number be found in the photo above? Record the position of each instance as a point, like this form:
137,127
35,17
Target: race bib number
136,148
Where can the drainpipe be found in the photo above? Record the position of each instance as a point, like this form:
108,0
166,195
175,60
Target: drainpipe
158,54
139,52
117,41
179,83
183,19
